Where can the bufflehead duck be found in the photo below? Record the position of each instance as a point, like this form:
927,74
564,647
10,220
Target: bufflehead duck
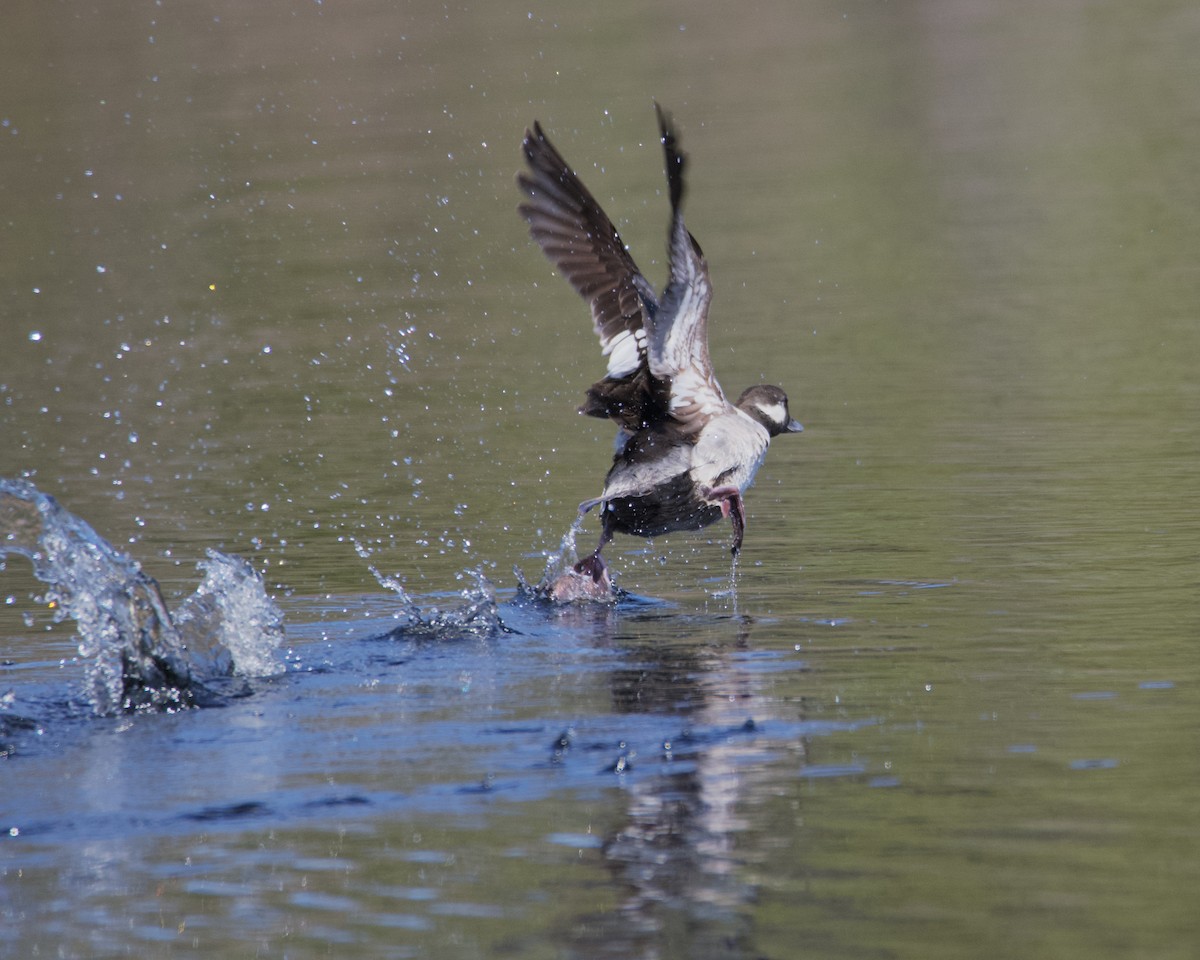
684,454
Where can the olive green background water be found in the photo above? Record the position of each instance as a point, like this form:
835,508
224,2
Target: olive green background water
264,289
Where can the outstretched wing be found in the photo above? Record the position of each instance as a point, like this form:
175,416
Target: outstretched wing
678,342
580,240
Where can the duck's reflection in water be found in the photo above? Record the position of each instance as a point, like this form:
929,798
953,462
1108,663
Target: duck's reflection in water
686,885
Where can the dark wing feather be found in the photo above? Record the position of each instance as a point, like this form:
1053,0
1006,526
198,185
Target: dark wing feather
580,240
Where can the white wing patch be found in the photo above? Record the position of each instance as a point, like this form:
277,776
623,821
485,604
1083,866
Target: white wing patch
624,352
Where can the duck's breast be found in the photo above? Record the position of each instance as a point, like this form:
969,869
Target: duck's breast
729,451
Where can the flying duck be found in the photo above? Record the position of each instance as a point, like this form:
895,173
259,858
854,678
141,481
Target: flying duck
684,455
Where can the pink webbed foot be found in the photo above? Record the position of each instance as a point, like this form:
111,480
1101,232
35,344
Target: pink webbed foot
578,585
589,578
732,507
592,566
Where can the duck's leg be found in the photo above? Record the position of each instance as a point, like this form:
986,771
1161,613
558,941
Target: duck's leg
732,507
593,565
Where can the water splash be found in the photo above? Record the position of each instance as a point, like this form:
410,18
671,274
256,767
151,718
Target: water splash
730,593
563,559
231,620
477,616
137,654
561,583
408,606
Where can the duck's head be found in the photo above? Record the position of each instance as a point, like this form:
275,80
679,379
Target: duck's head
769,406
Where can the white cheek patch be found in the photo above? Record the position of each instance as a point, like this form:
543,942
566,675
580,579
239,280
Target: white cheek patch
774,412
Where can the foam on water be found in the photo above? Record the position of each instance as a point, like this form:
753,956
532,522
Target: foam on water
138,655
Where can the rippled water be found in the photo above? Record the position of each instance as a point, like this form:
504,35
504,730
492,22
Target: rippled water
266,293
